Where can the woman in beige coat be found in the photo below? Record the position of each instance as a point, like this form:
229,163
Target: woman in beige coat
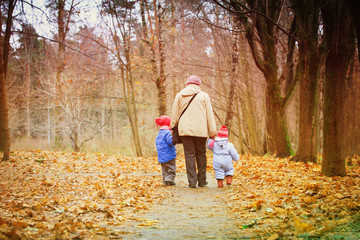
195,126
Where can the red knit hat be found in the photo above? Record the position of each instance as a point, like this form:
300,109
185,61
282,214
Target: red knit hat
223,132
193,80
163,120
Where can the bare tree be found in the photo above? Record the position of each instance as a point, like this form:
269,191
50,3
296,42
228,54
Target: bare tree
63,12
121,27
154,42
4,58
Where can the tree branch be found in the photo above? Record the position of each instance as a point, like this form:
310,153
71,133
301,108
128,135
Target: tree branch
96,133
290,92
255,52
247,11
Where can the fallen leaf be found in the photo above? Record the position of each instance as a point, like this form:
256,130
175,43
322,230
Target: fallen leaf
302,227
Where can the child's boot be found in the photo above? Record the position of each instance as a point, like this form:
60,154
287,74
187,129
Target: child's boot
220,183
228,180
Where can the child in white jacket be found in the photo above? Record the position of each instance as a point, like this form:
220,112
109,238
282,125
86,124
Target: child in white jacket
224,153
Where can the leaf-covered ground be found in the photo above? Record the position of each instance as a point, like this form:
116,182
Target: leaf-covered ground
286,199
56,195
64,195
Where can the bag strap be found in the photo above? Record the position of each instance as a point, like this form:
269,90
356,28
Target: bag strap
187,106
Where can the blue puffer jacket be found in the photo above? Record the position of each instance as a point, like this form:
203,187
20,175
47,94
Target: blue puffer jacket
165,149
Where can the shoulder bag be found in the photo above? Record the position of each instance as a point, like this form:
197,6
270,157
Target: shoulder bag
175,129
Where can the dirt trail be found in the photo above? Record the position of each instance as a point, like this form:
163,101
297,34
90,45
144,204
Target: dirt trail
188,214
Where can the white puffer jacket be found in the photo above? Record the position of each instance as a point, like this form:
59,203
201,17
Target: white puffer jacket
224,153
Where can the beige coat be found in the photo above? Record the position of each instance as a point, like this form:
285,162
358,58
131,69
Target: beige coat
198,120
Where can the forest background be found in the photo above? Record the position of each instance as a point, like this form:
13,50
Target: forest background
92,76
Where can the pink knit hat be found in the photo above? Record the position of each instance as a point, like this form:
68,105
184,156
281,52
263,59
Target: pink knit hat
163,121
223,132
193,80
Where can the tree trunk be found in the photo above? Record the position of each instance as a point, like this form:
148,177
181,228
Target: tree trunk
233,77
4,119
175,87
306,115
158,76
352,6
307,18
4,58
134,117
239,131
74,136
352,112
28,92
278,139
129,96
103,111
161,79
315,134
61,49
49,115
340,46
250,114
289,69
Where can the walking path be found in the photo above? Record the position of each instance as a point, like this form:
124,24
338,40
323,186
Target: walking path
187,214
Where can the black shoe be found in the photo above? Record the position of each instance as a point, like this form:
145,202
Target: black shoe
203,184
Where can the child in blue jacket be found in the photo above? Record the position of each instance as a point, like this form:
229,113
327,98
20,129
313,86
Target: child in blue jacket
224,153
166,151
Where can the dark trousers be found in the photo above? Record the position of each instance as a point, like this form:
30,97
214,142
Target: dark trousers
168,170
195,156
